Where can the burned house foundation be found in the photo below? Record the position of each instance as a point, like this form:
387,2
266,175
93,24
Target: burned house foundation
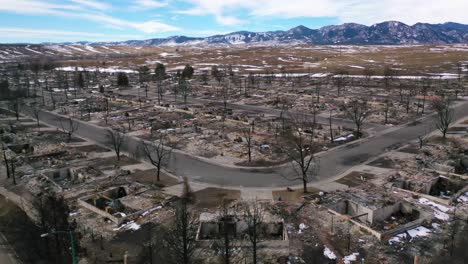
382,219
440,189
124,203
212,227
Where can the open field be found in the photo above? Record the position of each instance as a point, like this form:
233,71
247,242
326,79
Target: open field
407,60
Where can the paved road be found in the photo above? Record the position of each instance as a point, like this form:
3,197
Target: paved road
6,253
263,110
332,163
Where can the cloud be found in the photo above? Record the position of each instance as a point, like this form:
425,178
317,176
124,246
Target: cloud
79,11
359,11
149,4
154,27
52,35
92,4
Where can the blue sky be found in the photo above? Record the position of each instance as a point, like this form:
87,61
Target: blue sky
38,21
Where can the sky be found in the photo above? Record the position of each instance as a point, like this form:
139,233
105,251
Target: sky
37,21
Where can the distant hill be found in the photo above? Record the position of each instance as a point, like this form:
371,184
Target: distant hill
386,33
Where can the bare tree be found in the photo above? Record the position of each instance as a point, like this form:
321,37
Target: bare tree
248,138
386,110
180,239
444,115
185,89
389,73
330,126
15,107
460,73
157,153
226,243
253,217
117,140
36,111
357,111
300,147
69,126
6,160
340,80
368,73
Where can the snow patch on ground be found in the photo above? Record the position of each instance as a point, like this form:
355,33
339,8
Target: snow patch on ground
302,227
463,199
59,49
92,49
419,231
356,67
77,49
397,239
435,205
35,51
166,54
348,259
440,211
107,70
109,49
328,253
441,216
129,226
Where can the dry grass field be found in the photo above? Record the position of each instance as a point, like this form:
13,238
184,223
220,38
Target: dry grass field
406,60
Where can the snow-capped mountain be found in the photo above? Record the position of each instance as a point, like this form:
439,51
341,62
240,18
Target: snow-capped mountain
386,33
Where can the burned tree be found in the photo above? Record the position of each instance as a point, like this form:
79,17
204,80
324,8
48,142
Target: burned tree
157,153
53,215
357,111
6,160
299,146
36,111
69,127
389,74
204,78
248,133
216,73
445,115
180,239
185,89
340,80
117,140
15,106
253,217
387,110
226,243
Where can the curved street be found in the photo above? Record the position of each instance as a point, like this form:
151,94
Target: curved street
331,163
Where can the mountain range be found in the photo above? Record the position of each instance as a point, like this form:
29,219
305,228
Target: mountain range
385,33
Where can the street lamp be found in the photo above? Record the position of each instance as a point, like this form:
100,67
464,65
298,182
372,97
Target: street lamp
72,241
